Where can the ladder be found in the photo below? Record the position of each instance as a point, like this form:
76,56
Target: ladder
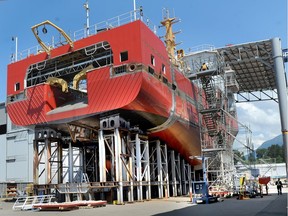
27,203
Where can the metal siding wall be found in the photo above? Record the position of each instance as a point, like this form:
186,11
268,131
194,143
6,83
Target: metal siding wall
18,149
31,136
3,158
2,114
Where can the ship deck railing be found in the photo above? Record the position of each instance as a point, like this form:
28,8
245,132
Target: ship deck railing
86,32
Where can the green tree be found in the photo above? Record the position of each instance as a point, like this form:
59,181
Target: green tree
276,151
273,152
261,153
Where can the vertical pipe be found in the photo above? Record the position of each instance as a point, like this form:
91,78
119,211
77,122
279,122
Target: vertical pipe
95,165
130,192
125,173
84,159
70,162
16,49
222,165
81,166
147,174
86,6
173,172
47,161
205,179
118,167
102,157
179,174
184,177
159,169
167,189
60,163
190,181
153,163
139,169
134,8
131,170
281,84
35,163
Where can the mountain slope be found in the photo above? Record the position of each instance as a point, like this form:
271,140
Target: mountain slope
276,140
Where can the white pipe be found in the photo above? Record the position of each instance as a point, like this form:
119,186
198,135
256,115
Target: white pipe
281,85
86,6
134,8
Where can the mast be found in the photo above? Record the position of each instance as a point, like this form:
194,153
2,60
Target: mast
134,8
86,6
170,36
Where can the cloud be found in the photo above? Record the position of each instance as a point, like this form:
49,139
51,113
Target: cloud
262,118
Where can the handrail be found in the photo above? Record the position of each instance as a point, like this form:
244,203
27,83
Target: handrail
93,29
28,202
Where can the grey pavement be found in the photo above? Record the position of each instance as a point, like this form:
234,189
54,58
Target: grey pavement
271,205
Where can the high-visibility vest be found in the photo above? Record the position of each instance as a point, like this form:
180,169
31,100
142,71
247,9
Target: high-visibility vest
204,67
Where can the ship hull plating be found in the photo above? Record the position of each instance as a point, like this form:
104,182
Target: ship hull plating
142,85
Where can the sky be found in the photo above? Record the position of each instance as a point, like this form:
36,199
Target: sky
211,22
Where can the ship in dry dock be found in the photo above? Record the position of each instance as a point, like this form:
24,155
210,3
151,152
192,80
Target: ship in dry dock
120,100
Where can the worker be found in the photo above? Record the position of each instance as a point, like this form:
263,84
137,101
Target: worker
279,186
204,67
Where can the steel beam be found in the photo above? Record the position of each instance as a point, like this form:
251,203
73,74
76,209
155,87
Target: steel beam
60,163
131,188
147,169
178,173
35,163
190,180
173,173
138,169
70,163
165,169
281,84
184,177
118,166
102,157
159,170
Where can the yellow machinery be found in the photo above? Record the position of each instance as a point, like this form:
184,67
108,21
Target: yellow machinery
41,43
58,82
80,76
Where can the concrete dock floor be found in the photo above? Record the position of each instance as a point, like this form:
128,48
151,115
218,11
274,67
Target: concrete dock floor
269,205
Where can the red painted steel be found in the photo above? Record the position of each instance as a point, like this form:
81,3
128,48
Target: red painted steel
139,92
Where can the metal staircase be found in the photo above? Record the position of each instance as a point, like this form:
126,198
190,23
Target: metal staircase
209,90
214,114
210,117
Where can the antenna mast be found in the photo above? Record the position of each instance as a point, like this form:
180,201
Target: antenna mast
170,35
86,6
134,8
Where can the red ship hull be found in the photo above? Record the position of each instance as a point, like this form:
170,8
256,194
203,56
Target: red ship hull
153,95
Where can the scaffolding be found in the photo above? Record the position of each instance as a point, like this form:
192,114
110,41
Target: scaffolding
217,113
116,162
252,72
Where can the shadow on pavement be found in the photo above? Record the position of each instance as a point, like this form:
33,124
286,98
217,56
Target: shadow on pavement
267,206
